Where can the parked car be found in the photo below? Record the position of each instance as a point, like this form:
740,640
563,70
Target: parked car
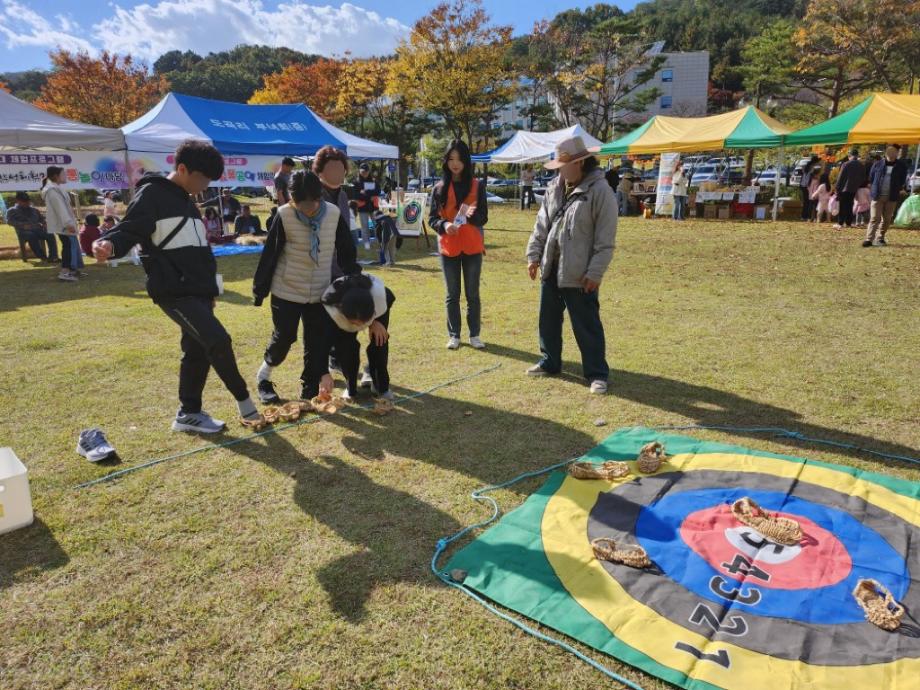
495,199
252,192
101,197
705,173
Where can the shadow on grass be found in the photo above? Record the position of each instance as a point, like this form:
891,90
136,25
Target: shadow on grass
393,531
29,287
712,407
26,552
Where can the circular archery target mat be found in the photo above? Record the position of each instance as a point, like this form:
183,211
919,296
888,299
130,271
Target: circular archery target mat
721,603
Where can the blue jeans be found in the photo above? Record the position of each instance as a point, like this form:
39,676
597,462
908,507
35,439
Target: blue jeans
470,267
680,208
584,311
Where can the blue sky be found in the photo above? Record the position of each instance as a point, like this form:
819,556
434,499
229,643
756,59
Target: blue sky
148,28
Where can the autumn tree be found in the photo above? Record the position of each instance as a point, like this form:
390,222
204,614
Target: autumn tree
881,37
4,87
317,84
108,91
452,66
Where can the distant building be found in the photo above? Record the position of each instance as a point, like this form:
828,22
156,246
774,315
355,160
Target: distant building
682,79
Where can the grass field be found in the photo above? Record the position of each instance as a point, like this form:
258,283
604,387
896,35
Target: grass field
300,559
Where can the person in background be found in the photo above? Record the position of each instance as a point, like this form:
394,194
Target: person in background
852,177
366,195
861,204
283,181
458,212
354,303
182,279
624,189
212,226
805,187
571,248
887,179
89,233
30,228
330,165
230,207
813,182
527,195
246,223
613,178
822,198
295,268
62,221
679,190
108,205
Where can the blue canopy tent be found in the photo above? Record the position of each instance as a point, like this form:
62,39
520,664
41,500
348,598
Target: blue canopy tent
238,128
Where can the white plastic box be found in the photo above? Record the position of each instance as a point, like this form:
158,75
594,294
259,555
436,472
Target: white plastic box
15,499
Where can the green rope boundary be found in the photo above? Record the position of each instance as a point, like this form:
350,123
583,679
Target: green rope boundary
272,430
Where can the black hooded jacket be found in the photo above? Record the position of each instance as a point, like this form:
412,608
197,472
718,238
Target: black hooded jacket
184,265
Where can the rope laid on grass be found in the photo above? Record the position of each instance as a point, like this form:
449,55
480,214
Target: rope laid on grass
785,433
271,430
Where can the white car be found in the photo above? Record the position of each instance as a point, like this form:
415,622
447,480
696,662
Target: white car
495,199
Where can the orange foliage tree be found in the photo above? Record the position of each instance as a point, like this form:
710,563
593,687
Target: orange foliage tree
317,84
4,87
108,91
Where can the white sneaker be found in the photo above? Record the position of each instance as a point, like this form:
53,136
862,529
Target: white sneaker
837,226
367,245
453,343
93,445
878,243
477,343
599,387
67,276
366,380
198,422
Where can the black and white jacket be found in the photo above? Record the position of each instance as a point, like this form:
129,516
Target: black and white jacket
182,267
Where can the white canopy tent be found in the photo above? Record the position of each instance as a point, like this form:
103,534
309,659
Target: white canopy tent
533,147
23,126
32,139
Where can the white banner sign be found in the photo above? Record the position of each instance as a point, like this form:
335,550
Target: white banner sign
23,170
664,199
239,171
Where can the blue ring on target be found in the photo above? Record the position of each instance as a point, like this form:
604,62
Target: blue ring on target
657,530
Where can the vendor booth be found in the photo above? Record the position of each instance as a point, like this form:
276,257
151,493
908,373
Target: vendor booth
31,139
252,138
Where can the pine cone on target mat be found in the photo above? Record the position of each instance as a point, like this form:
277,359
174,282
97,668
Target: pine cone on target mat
650,457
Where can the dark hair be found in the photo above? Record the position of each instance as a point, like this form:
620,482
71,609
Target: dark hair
826,179
590,164
92,220
245,206
352,295
200,156
23,196
466,177
287,160
51,171
326,154
210,212
305,186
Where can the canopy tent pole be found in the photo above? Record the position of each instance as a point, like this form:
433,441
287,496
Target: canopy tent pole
779,170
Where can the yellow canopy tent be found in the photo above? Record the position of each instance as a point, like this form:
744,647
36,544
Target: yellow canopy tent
881,118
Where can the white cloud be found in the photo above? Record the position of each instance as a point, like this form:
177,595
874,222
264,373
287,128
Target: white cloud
24,28
149,30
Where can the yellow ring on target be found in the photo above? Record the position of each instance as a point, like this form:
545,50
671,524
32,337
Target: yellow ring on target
565,527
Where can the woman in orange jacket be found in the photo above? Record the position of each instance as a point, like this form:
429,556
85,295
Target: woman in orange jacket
458,212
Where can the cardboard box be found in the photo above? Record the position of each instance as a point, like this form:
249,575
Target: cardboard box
709,210
724,213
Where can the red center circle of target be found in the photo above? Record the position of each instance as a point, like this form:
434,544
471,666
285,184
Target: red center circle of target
820,560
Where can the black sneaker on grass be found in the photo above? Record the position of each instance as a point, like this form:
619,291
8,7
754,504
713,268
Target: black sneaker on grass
267,393
867,243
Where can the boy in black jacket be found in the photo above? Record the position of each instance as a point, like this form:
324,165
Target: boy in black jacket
182,278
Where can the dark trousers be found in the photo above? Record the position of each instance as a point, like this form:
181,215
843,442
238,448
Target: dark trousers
317,337
348,351
50,239
806,203
205,344
584,312
845,200
66,250
527,197
470,267
34,240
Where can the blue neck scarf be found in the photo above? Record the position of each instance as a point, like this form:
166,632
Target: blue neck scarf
312,222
